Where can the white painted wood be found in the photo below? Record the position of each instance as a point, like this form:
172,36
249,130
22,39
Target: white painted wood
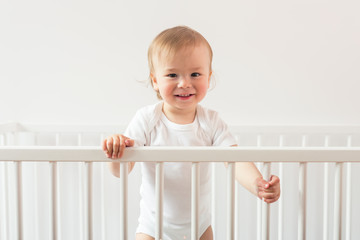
183,154
19,199
302,196
230,200
348,195
326,196
302,201
159,200
53,232
195,196
338,202
265,215
123,200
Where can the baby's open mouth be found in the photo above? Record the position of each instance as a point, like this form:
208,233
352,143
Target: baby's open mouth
184,95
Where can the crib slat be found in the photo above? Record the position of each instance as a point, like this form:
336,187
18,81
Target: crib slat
302,196
102,200
18,197
81,201
259,202
102,194
265,225
236,201
123,200
36,192
348,202
348,195
236,211
281,205
18,192
195,195
159,194
56,189
280,201
302,202
338,201
88,204
36,201
213,198
85,198
326,195
53,232
230,200
5,200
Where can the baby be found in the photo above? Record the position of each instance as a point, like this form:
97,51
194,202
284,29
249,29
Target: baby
180,61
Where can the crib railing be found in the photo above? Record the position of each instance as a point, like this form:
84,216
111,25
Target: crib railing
183,154
263,155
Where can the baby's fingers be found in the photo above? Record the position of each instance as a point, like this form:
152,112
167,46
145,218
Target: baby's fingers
269,197
116,146
274,180
262,184
266,195
105,147
109,146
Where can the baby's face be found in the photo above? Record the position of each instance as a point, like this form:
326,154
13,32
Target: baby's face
183,80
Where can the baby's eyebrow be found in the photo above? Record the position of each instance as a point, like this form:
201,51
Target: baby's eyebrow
196,68
170,69
191,69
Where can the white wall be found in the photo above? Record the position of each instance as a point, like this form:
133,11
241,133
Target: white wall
276,62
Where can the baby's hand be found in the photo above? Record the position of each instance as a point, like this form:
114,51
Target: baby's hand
114,145
268,191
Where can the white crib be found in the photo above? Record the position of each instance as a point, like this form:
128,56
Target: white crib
54,183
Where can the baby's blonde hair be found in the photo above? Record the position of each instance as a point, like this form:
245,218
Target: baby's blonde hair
170,41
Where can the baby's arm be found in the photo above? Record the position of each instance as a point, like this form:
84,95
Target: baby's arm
113,147
250,177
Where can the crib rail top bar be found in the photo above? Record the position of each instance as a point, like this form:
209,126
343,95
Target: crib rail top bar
183,154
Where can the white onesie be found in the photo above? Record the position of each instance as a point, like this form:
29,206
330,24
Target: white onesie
150,127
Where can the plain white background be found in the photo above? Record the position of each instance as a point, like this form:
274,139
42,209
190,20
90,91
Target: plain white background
275,62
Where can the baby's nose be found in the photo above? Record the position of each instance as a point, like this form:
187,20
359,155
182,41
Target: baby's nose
184,82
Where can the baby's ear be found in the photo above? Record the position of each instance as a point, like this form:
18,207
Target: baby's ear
154,82
209,80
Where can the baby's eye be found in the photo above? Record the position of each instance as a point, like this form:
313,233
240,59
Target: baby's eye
172,75
195,74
